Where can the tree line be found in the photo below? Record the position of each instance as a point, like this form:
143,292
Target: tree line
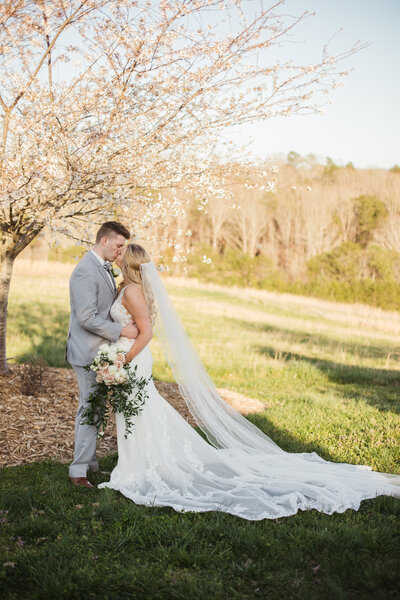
298,226
324,229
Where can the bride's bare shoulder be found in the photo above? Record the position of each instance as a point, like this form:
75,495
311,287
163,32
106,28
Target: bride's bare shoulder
133,292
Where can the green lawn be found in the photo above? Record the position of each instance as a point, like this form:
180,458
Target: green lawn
329,376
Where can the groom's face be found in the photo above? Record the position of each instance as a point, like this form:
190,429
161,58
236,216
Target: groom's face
120,258
113,246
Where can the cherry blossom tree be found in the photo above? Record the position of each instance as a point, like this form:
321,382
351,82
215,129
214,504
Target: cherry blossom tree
107,104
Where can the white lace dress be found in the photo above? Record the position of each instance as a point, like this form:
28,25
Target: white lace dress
164,462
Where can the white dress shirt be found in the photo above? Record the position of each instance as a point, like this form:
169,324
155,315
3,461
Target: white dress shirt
102,261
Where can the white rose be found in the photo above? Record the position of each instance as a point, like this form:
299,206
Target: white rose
122,375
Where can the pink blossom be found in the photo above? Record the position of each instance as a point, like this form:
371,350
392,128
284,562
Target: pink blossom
109,379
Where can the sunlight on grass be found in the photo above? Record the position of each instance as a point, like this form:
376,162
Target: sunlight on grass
329,377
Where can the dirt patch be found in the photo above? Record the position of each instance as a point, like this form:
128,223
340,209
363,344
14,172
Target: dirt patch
32,429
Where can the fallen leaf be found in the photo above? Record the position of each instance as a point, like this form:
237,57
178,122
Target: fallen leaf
316,569
41,540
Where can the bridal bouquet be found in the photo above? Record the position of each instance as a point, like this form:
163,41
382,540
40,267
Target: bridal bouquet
117,389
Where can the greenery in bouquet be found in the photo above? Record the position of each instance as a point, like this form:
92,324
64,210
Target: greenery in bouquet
117,389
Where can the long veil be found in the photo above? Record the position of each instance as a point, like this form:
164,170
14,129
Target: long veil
223,426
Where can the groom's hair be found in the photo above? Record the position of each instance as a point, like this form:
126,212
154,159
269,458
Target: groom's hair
112,228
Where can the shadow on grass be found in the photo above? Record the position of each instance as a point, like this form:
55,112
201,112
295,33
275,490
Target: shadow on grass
282,438
46,328
378,387
63,542
287,441
323,341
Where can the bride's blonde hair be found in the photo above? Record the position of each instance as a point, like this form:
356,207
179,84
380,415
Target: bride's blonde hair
135,255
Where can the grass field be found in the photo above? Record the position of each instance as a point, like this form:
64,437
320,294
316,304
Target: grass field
329,377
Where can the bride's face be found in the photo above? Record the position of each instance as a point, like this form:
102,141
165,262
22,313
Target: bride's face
120,258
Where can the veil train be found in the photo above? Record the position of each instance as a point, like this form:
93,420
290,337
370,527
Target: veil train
241,470
223,426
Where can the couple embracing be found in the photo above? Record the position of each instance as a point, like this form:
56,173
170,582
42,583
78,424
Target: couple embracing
236,468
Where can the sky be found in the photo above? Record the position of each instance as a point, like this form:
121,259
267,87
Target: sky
362,125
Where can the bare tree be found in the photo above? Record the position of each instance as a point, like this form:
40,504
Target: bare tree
250,221
388,233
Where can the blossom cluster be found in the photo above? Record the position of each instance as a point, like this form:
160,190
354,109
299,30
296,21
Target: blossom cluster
109,365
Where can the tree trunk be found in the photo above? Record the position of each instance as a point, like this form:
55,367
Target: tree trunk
215,239
6,267
11,244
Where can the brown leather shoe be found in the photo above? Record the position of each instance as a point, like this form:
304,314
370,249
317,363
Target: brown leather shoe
82,481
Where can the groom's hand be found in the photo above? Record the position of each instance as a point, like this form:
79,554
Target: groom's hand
130,331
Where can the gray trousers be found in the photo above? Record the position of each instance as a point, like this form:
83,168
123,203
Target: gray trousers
85,435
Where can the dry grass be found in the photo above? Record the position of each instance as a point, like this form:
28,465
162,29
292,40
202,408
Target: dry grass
42,268
357,315
289,324
293,311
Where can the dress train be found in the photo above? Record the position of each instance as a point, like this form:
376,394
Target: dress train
165,462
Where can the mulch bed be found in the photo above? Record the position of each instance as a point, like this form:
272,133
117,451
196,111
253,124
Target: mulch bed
35,428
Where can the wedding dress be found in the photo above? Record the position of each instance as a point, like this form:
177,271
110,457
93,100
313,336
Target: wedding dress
165,462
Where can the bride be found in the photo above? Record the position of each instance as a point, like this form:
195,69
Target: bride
238,470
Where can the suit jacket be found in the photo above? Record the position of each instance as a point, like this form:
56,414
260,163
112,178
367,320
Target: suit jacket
91,297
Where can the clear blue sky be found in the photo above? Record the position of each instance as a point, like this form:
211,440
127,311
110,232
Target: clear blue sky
362,124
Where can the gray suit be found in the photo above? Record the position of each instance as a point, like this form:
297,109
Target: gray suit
91,296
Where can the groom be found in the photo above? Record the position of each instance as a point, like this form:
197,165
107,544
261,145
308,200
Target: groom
92,293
